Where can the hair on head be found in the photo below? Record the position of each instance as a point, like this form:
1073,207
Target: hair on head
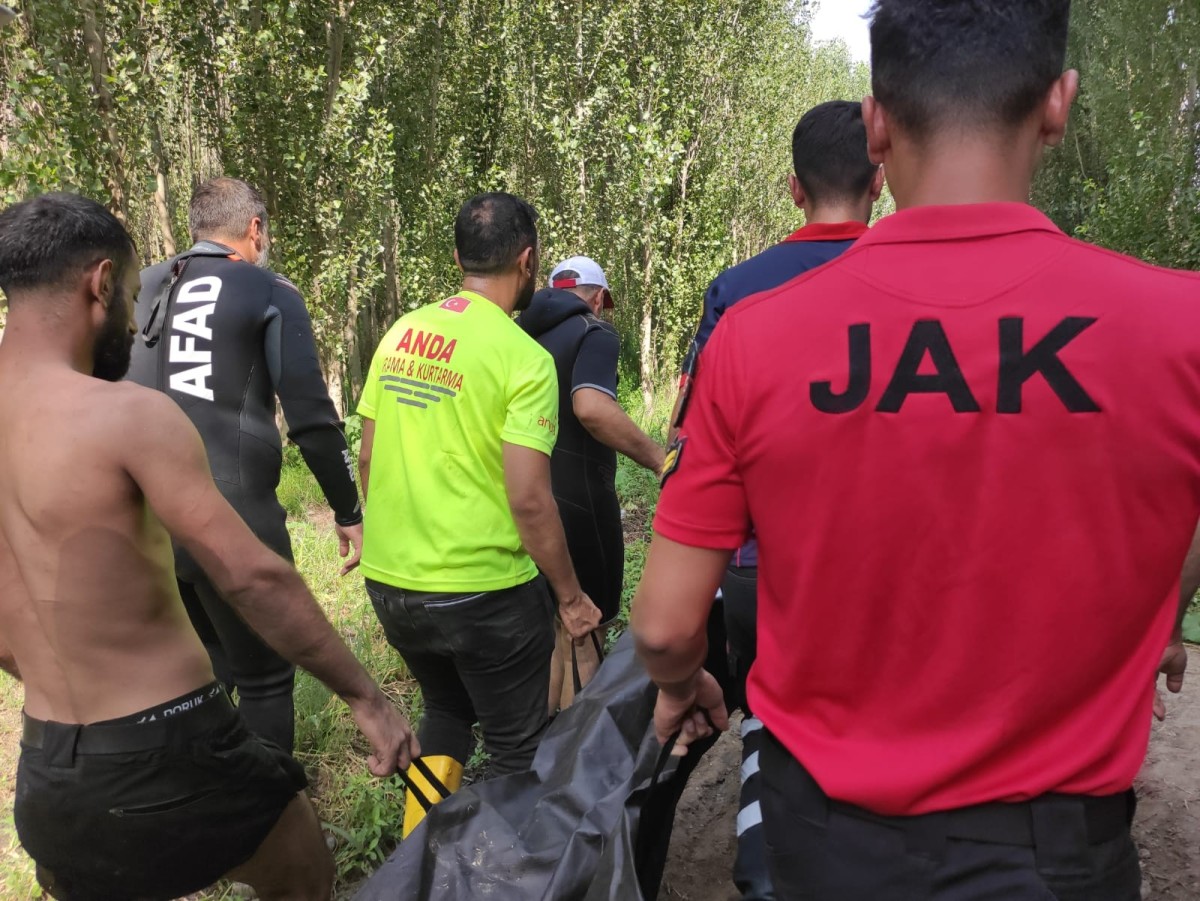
46,240
224,208
492,230
938,64
829,152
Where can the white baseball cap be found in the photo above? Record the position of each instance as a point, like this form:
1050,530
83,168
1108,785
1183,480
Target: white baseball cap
585,271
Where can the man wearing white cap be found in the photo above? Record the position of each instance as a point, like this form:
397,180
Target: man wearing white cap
566,320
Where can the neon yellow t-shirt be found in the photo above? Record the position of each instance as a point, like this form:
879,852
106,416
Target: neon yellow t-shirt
449,384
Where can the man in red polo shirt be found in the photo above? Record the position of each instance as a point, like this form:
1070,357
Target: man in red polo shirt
970,449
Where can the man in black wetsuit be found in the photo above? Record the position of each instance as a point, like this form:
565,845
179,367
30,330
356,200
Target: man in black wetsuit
223,336
566,320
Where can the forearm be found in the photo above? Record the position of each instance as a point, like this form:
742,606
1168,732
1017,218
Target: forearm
278,606
542,535
671,609
327,455
609,424
364,475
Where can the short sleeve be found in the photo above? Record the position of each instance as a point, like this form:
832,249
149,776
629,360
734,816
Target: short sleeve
367,404
596,363
531,419
703,501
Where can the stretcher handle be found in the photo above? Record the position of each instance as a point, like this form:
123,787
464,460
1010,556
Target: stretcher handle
576,679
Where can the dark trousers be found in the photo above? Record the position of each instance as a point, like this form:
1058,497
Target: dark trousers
240,659
739,590
263,679
819,851
481,657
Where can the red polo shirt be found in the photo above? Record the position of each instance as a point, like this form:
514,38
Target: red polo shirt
970,449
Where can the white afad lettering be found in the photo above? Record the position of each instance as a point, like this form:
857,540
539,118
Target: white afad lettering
194,323
193,382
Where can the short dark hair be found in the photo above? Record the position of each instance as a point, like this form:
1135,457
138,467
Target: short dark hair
829,152
46,240
492,230
973,63
225,207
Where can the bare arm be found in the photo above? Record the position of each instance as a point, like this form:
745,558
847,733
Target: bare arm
527,481
169,464
364,454
670,617
1174,660
609,424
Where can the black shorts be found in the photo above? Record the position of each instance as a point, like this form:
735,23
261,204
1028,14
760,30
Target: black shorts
159,804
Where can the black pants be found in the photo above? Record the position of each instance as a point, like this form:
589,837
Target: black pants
739,590
478,658
591,516
822,852
264,680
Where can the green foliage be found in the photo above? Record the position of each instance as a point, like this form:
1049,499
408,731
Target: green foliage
298,491
1128,174
1191,623
655,141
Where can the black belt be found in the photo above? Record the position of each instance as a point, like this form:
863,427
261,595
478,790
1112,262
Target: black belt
1107,818
128,738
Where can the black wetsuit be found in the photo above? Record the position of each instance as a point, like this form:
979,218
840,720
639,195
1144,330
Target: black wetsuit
582,470
234,336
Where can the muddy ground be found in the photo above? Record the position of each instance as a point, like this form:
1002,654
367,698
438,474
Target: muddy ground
1167,828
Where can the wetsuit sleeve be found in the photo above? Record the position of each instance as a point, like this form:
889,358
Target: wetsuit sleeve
596,362
531,419
703,502
715,304
312,419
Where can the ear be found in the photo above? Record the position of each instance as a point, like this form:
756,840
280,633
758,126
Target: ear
457,262
877,184
100,286
799,197
879,138
527,262
1056,110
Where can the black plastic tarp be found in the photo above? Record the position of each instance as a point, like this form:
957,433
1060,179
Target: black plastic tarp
591,820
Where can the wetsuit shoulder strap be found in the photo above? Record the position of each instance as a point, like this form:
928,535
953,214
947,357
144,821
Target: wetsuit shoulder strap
156,321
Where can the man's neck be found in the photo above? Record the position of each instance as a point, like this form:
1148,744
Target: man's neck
495,290
244,247
30,340
835,214
955,171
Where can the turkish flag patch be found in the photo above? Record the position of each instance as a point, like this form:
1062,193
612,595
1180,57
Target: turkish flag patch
456,304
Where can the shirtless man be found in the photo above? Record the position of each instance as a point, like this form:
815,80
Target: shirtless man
137,778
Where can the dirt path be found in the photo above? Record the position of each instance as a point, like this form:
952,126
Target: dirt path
1167,829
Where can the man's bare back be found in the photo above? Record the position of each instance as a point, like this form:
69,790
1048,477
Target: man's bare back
88,600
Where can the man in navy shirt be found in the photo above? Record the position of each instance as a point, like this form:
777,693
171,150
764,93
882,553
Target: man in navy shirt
836,185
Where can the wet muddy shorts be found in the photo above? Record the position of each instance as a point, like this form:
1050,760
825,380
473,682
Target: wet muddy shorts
154,805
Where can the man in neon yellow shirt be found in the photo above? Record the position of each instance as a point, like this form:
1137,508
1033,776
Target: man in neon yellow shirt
460,414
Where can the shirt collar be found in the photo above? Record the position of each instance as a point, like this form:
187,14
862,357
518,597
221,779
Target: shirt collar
828,231
949,223
477,298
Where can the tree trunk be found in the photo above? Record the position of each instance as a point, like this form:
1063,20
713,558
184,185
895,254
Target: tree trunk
333,58
350,342
648,368
391,279
162,194
93,40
